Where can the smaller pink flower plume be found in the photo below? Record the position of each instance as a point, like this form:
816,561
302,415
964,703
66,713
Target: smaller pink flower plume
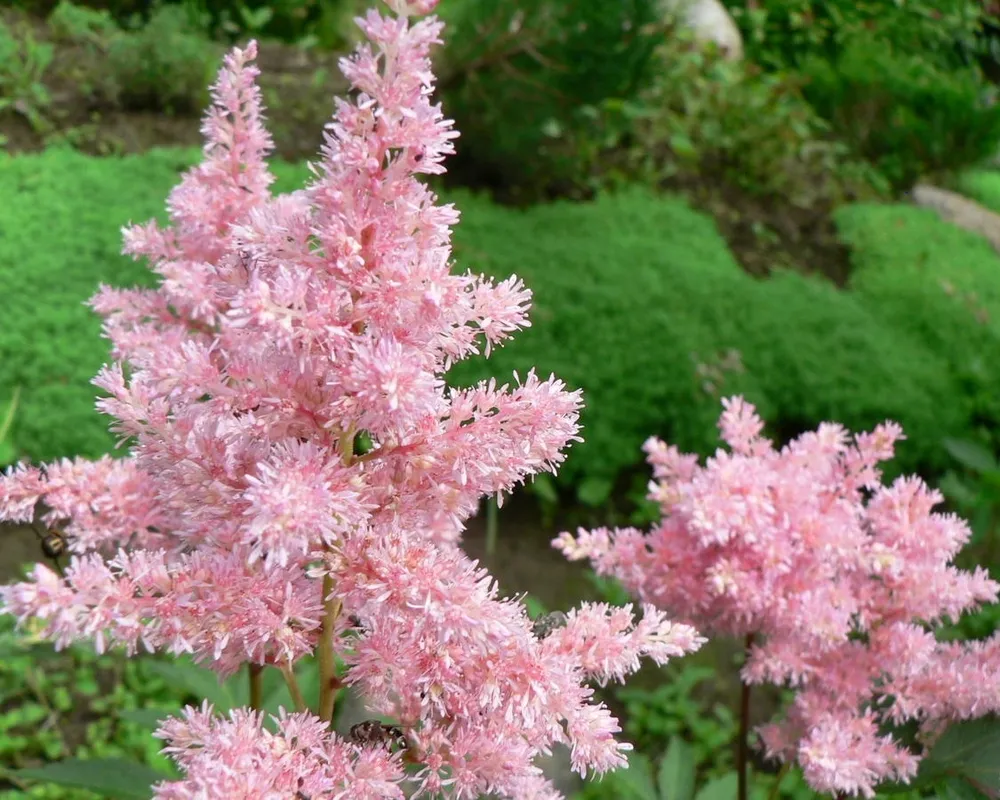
837,577
299,474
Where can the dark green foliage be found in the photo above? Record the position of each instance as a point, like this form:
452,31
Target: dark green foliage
74,703
822,354
727,122
938,286
783,33
59,237
516,75
163,64
902,113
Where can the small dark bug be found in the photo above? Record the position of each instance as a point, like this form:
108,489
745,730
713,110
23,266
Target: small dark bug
547,623
371,731
54,545
53,542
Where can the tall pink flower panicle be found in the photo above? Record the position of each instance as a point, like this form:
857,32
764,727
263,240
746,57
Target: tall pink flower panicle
299,475
836,576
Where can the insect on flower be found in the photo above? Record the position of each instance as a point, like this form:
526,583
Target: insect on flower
371,731
547,623
53,542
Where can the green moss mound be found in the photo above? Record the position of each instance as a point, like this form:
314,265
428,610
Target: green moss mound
634,292
938,286
61,215
637,301
983,186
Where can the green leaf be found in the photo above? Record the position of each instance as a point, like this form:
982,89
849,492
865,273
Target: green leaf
955,489
199,681
972,455
8,414
676,776
636,782
544,488
110,777
722,788
967,753
594,491
956,789
536,608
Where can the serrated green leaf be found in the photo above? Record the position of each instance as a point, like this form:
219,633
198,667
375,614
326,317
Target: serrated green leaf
972,455
676,775
968,752
199,681
112,777
957,789
721,788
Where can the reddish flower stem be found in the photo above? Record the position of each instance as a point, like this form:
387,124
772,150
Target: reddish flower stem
743,744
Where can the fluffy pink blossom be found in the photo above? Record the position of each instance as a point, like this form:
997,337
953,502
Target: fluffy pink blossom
836,576
237,757
298,474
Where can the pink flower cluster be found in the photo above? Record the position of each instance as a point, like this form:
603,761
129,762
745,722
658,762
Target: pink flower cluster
299,475
838,578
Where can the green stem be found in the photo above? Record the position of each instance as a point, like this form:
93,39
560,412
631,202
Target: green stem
254,674
293,687
327,663
743,743
773,794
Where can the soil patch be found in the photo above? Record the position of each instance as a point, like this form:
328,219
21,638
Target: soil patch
765,234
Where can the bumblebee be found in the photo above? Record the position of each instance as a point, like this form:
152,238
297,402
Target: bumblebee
54,544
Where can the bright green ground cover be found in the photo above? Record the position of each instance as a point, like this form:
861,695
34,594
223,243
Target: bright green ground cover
632,291
982,186
939,287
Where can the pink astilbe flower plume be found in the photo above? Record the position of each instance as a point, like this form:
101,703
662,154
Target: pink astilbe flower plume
299,475
837,577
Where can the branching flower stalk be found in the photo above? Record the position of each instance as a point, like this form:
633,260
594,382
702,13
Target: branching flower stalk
241,528
838,578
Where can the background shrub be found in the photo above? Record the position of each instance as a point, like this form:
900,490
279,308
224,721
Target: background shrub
515,74
982,186
729,122
938,286
634,292
904,114
783,34
638,301
163,64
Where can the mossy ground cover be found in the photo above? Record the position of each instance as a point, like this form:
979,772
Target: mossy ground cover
982,185
637,301
60,218
938,287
